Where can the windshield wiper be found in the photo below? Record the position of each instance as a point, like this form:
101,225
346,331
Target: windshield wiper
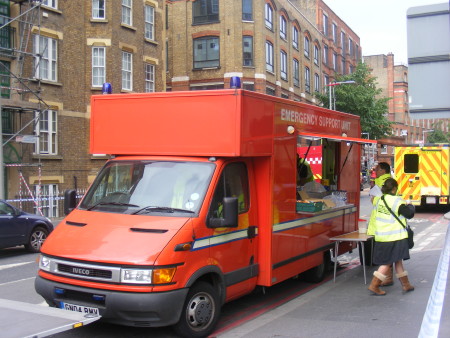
112,203
161,209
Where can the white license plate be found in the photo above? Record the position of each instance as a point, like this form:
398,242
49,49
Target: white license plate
82,309
431,200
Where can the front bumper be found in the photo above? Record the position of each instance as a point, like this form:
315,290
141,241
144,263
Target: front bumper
125,308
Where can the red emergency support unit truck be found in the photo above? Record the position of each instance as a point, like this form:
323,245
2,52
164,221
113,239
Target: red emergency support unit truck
197,207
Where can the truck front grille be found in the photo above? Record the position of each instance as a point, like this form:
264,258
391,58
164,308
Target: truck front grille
85,272
103,273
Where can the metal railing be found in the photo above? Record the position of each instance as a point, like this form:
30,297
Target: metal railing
48,206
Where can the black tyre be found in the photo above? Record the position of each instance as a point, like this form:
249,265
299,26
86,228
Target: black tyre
317,274
36,239
200,313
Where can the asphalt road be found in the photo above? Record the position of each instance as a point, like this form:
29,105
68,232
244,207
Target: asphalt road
18,270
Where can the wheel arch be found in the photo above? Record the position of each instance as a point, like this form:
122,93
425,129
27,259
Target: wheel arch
212,275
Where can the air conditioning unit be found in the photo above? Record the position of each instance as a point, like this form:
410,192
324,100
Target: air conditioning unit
403,132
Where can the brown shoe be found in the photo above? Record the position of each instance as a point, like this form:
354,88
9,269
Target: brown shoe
389,278
403,277
374,286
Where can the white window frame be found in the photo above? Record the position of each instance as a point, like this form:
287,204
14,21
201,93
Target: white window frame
98,6
325,24
127,71
295,37
283,27
98,66
46,58
307,80
335,62
316,82
296,72
269,57
326,81
149,14
306,46
46,129
149,71
326,51
268,15
48,202
334,32
316,55
127,12
283,65
50,3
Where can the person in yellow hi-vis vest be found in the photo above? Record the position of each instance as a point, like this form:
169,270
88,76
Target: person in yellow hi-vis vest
391,238
383,172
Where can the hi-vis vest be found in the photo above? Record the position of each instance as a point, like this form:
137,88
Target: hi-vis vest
380,180
384,225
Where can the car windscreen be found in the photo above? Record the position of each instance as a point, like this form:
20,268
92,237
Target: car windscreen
148,187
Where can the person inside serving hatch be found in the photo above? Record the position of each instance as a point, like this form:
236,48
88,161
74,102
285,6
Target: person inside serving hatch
304,172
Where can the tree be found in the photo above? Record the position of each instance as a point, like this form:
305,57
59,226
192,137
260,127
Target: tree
437,135
362,99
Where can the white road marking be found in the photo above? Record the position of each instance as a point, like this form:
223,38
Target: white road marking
8,266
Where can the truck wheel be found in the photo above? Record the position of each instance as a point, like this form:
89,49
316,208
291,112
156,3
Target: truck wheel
37,238
317,274
200,312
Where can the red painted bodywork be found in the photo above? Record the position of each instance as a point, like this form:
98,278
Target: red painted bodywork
228,125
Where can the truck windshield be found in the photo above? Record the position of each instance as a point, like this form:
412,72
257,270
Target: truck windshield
148,187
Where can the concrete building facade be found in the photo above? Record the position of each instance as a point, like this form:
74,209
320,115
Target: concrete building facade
428,29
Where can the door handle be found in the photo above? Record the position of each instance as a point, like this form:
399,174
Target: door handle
251,231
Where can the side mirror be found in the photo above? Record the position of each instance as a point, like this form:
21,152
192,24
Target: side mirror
70,201
230,213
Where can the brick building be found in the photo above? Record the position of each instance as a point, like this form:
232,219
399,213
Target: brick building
393,80
54,57
55,54
290,49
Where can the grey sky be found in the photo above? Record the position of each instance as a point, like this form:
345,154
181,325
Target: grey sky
380,24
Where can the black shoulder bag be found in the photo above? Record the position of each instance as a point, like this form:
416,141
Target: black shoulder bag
407,227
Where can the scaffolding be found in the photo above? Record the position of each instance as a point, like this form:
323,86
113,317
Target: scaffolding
20,91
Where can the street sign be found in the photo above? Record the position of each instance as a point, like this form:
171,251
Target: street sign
26,138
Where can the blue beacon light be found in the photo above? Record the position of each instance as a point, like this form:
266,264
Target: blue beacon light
235,82
107,88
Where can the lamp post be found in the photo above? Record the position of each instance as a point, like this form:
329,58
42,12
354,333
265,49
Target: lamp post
331,92
370,151
423,134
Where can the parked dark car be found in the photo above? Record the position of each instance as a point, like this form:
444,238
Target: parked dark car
21,228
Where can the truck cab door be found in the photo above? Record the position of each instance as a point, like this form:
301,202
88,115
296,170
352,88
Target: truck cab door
235,252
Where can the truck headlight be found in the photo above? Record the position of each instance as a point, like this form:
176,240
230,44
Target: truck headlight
137,276
44,263
147,276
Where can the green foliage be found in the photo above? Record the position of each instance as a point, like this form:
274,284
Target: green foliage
362,99
437,135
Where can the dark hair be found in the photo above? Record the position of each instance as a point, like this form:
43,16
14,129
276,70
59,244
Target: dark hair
389,185
385,166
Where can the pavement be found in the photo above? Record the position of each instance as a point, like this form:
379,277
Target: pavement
345,308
